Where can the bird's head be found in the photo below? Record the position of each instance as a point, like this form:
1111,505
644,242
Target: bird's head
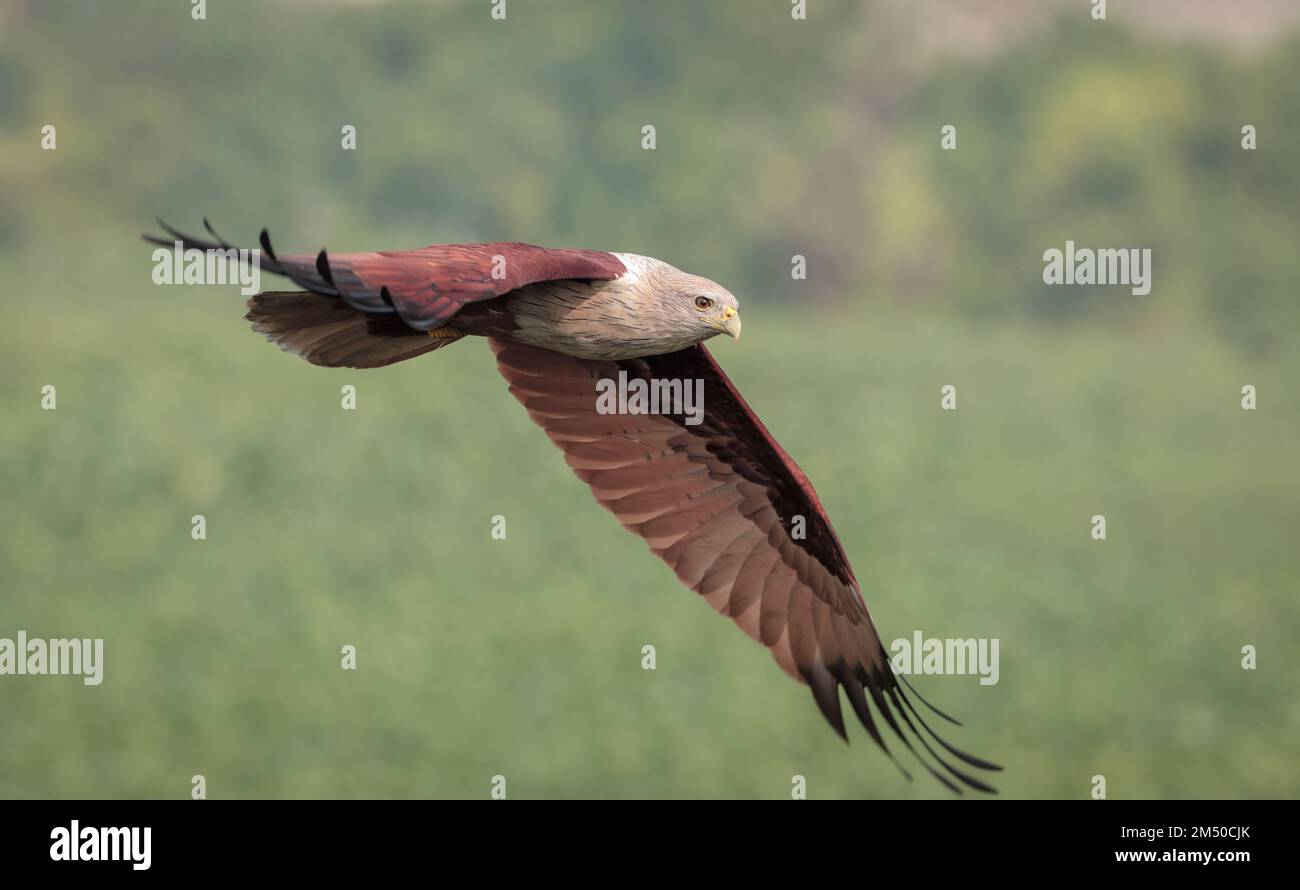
704,307
672,309
715,308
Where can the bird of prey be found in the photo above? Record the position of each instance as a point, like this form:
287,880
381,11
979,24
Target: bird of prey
714,496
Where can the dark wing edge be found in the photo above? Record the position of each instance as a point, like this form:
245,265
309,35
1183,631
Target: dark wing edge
715,501
425,287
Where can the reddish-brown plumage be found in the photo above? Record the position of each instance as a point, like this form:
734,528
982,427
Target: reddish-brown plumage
716,502
425,286
429,285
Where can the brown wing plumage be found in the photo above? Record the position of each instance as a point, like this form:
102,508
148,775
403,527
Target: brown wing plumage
427,286
716,501
328,332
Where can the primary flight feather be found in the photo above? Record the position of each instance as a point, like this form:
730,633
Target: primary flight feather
714,496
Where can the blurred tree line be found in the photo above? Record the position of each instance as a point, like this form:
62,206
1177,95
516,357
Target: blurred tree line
774,138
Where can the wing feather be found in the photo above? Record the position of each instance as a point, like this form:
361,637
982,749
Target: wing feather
427,286
715,502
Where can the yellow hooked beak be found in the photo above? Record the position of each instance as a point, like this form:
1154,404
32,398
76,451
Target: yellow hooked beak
729,323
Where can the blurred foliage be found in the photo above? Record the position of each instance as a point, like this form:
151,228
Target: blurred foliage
774,138
522,658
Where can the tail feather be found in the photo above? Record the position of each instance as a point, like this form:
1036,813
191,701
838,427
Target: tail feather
329,332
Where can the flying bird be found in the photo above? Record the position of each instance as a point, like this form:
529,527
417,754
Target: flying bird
714,496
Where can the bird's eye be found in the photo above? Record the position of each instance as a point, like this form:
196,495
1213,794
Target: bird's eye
703,302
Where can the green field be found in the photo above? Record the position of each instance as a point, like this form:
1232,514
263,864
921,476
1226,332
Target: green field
522,657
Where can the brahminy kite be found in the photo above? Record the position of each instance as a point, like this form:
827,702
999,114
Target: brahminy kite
713,494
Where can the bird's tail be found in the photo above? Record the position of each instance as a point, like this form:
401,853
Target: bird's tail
327,331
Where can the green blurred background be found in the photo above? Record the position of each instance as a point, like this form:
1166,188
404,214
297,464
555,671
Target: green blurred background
775,137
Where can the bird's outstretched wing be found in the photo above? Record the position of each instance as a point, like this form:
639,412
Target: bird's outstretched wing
718,501
426,286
